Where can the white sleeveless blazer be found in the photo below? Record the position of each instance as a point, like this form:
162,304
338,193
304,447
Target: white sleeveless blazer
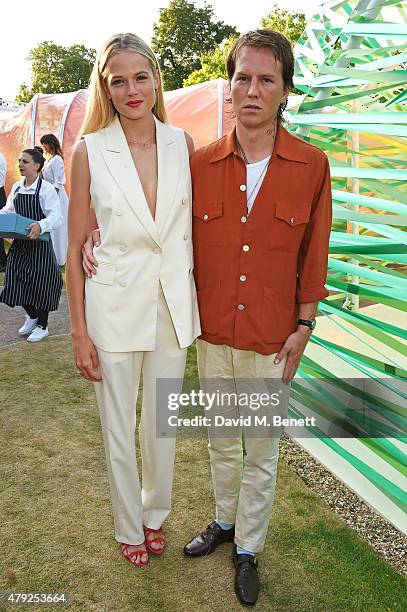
137,253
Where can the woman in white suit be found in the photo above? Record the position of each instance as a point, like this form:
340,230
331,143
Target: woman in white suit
54,173
138,314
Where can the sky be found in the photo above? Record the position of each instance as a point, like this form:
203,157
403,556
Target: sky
91,22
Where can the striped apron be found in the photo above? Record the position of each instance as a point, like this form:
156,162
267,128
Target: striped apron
3,198
32,275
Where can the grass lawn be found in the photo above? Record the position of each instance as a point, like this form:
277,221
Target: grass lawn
56,530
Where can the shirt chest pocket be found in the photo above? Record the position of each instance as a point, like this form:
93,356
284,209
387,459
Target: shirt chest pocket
208,222
288,226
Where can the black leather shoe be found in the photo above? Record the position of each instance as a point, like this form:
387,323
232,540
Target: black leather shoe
247,583
206,542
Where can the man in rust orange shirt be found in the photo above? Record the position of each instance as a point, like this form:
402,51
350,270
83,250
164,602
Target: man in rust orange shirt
261,223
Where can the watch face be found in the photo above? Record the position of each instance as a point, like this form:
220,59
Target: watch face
313,324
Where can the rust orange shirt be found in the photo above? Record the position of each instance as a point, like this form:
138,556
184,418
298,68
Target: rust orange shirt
252,271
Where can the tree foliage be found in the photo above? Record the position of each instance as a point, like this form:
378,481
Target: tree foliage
57,69
288,23
182,35
213,64
214,61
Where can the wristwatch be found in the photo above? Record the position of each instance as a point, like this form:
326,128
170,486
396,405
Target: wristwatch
311,323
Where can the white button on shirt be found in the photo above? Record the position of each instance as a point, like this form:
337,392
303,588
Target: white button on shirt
49,203
246,248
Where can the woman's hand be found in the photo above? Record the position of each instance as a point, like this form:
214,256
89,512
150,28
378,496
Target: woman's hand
89,263
35,231
86,358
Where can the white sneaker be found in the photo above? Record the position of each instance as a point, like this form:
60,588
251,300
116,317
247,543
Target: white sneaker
38,334
28,326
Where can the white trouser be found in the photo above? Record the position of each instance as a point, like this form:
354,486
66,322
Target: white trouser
134,506
244,484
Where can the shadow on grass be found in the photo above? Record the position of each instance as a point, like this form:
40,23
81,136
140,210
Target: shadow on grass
56,531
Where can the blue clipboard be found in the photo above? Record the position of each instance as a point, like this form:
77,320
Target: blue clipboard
13,225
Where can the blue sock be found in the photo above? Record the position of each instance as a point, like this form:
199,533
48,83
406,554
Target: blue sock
243,551
239,549
224,526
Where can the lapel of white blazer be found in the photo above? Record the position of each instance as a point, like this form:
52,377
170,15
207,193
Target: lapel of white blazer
168,173
120,164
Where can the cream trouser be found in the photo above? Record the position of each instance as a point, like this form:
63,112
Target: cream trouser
244,484
133,505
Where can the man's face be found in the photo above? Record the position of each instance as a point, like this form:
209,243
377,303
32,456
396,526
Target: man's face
257,87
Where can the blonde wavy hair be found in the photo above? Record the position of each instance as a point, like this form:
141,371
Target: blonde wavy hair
99,109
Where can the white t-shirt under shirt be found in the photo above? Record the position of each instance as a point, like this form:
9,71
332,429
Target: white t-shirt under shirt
255,174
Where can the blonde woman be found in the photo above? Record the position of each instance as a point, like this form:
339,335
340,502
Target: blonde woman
138,313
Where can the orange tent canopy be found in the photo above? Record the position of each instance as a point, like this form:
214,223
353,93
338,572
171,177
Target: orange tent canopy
203,110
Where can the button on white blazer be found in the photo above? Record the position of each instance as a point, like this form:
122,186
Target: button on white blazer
137,252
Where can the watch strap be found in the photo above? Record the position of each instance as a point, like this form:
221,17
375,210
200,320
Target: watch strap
307,323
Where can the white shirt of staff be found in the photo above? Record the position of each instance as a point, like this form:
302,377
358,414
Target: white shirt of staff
49,203
3,170
54,173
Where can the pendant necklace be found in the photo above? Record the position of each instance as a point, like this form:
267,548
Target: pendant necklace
246,161
143,145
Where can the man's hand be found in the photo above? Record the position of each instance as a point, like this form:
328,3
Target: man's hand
89,263
35,231
294,347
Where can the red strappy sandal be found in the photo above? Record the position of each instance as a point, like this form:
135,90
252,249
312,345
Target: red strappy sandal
160,539
133,554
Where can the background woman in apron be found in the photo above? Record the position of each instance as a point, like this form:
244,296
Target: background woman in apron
3,171
32,279
54,173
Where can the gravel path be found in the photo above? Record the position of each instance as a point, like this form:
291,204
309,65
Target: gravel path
11,319
382,536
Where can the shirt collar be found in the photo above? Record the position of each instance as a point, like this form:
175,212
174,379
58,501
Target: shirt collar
33,186
285,146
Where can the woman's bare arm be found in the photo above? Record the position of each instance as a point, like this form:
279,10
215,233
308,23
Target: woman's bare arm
190,143
92,221
89,262
79,219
